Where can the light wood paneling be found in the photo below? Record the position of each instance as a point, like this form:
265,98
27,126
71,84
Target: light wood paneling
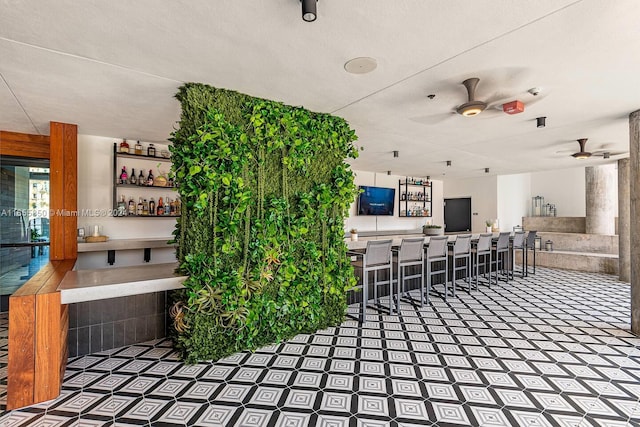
22,361
24,145
63,187
38,322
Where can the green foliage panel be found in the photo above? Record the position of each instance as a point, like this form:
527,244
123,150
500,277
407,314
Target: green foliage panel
264,189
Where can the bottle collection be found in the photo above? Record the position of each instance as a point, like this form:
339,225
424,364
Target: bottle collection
138,150
415,210
163,207
418,181
414,196
141,180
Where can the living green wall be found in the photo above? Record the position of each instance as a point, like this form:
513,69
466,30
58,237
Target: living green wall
265,189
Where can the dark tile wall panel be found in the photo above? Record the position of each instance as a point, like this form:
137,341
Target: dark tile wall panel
105,324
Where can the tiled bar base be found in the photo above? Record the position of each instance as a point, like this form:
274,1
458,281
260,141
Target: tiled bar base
111,323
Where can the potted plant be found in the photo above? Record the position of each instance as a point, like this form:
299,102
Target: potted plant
431,230
489,225
354,234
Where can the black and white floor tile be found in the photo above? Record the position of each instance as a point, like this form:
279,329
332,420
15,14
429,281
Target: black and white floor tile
548,350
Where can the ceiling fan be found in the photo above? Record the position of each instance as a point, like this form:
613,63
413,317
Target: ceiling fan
473,106
602,152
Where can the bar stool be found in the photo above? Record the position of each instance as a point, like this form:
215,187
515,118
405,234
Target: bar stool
501,250
518,244
376,258
481,250
461,251
530,245
437,252
411,254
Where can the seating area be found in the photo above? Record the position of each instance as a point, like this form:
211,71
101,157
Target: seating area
439,264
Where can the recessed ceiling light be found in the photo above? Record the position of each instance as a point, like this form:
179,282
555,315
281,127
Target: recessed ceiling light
362,65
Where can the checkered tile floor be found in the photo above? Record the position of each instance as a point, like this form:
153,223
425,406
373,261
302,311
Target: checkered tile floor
548,350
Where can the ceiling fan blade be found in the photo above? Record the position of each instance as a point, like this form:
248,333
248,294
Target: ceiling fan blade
433,119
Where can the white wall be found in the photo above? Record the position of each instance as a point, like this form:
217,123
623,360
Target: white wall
95,172
563,187
484,198
514,199
383,223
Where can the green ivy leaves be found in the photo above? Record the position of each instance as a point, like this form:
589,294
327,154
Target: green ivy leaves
265,189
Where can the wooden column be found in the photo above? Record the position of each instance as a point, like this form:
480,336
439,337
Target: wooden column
64,191
38,322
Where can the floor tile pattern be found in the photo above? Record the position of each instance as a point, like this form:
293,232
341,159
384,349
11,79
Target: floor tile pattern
552,349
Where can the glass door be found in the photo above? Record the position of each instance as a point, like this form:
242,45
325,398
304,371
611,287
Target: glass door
24,222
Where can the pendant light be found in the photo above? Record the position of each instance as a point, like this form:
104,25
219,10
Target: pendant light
309,12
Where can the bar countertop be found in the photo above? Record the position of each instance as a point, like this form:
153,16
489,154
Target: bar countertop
90,285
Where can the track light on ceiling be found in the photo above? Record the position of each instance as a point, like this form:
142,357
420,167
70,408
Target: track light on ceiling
448,162
540,122
309,13
486,170
396,153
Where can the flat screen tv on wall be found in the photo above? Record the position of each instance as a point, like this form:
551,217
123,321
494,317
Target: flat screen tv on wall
376,200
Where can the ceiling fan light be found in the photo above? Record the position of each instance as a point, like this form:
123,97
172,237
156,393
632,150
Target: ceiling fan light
582,155
309,11
471,109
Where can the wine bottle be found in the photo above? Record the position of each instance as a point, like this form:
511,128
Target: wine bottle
123,175
152,207
132,179
141,180
150,179
160,208
122,206
132,207
167,209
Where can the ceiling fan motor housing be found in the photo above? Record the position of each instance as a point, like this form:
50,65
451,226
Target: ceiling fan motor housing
513,107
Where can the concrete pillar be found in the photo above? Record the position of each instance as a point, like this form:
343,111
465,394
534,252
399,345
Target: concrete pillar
624,216
600,188
634,229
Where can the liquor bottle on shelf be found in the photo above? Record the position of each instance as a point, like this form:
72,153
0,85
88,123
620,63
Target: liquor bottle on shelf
132,207
145,207
132,179
172,207
140,207
166,207
122,206
124,146
152,207
150,178
138,148
141,179
123,175
160,208
151,151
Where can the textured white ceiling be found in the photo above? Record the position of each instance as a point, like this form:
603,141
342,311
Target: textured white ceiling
113,68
